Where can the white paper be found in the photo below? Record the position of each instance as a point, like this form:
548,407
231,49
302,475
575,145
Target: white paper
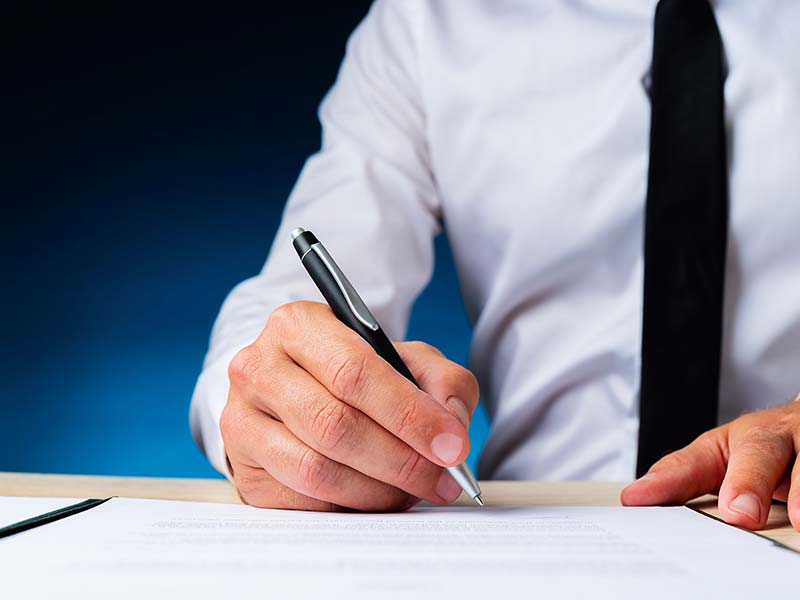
148,548
14,509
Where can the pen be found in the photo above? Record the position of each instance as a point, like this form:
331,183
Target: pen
350,309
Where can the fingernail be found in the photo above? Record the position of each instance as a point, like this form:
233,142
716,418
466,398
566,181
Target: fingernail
748,505
447,447
458,407
447,488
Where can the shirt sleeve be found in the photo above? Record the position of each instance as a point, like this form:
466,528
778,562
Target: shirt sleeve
368,194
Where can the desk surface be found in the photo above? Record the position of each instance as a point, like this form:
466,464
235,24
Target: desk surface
573,493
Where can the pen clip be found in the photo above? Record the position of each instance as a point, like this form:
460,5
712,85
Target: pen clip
354,301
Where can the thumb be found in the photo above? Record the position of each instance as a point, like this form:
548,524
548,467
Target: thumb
697,469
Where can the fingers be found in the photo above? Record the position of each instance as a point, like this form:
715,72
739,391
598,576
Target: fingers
758,460
747,462
793,499
781,493
697,469
320,413
447,382
315,479
347,436
793,496
352,372
258,488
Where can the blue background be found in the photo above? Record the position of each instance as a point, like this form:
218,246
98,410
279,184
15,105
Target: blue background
146,161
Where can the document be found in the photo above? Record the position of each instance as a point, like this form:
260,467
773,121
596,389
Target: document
152,549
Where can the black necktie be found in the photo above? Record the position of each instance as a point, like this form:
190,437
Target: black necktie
686,224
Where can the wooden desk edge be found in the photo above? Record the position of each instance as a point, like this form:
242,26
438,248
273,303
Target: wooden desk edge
498,493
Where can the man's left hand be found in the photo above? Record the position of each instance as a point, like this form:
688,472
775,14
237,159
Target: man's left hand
748,462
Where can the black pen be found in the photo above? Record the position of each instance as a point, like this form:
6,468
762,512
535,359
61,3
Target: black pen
350,309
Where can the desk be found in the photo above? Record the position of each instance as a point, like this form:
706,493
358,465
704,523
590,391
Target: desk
572,493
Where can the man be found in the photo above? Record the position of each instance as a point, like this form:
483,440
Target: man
618,182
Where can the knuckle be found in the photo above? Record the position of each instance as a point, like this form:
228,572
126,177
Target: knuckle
407,419
231,422
283,318
767,444
286,497
411,469
251,489
257,497
674,461
755,433
244,485
708,441
226,421
346,374
711,436
244,366
714,449
331,424
451,375
789,423
461,378
314,473
418,347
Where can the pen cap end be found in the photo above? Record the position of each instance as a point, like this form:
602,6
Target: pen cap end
302,241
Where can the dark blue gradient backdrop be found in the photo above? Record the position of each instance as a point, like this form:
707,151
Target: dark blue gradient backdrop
146,160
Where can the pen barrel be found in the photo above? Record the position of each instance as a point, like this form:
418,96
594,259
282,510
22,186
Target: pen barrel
338,303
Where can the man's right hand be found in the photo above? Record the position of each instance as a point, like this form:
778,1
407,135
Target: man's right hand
316,420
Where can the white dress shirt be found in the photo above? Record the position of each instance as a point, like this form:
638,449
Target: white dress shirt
523,127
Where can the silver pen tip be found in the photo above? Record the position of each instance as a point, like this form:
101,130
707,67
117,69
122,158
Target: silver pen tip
479,500
297,231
